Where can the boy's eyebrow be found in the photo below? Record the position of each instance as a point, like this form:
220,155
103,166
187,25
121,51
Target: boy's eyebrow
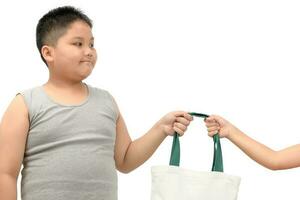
81,38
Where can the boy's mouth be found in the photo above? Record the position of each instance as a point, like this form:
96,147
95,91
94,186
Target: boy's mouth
86,61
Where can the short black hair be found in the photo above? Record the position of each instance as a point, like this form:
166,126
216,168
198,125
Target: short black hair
55,23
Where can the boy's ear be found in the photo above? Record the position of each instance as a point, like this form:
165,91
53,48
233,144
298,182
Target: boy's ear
47,53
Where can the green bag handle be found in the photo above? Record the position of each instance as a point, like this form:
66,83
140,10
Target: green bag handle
217,161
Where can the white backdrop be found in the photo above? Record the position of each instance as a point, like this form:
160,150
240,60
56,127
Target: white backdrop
238,59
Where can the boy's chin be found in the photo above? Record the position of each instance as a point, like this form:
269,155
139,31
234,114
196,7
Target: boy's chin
84,76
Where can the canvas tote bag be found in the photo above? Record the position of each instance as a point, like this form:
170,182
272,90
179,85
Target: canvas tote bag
175,183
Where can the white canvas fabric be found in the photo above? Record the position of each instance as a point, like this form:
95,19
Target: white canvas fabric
176,183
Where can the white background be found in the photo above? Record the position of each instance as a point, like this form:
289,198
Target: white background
238,59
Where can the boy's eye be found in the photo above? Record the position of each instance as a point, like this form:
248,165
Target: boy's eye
79,44
92,45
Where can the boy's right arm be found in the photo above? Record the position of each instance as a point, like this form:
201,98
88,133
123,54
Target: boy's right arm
13,134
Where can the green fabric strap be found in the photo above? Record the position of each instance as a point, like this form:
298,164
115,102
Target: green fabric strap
217,161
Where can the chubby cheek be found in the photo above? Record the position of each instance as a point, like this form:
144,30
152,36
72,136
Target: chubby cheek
75,56
68,56
95,58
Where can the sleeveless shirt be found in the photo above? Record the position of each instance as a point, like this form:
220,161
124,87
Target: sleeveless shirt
69,151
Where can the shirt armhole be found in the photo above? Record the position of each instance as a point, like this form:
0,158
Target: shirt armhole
114,104
27,105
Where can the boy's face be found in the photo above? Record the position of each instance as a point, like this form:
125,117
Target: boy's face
74,55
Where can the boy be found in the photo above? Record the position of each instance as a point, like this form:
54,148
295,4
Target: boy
275,160
70,136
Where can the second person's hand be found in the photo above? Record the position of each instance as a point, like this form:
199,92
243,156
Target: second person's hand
216,124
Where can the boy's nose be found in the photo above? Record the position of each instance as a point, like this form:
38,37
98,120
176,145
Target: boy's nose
89,53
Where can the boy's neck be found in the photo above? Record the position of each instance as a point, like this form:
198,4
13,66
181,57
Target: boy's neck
67,86
67,94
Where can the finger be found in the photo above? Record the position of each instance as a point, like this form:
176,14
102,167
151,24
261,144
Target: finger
183,114
180,126
183,121
211,124
178,130
212,133
179,113
211,129
188,116
216,118
209,119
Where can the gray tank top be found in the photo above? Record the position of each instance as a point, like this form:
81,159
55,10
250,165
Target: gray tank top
70,148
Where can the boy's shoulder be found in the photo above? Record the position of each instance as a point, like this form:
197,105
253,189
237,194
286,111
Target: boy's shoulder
105,94
28,91
99,90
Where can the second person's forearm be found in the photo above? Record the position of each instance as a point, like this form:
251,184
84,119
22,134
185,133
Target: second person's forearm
255,150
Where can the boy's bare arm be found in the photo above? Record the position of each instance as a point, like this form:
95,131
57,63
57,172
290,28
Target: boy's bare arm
13,133
131,154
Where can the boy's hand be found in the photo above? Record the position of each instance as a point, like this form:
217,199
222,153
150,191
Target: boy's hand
177,121
216,124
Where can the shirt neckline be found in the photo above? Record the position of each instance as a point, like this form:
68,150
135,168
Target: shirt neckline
68,105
